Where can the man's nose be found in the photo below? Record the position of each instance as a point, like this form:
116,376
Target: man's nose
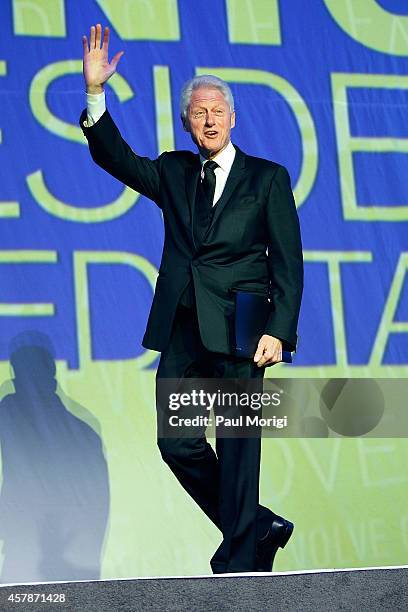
210,119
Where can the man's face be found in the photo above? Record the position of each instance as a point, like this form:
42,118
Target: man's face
209,120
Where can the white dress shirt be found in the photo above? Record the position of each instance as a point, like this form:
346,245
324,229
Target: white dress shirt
224,160
96,106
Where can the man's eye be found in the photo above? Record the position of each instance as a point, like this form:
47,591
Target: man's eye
219,112
198,115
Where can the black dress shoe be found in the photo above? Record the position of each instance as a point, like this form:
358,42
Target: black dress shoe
278,534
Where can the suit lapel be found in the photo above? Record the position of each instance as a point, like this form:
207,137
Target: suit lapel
192,173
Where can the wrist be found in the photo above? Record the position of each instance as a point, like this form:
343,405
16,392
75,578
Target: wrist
94,89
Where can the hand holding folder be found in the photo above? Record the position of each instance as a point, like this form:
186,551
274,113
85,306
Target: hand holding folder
251,315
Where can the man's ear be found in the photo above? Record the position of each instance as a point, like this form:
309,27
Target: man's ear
232,124
185,123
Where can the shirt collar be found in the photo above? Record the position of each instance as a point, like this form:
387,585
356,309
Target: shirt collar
224,159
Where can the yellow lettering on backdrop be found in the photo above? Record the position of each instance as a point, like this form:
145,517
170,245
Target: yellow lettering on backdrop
27,309
324,460
39,18
143,19
371,25
388,325
8,209
348,144
299,109
132,19
36,183
333,260
82,259
380,462
164,114
38,97
254,22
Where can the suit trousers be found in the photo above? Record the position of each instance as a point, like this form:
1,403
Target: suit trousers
225,483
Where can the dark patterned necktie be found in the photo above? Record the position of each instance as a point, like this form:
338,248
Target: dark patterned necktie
204,201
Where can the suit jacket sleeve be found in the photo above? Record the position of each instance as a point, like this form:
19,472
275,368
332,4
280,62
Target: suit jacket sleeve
110,151
285,260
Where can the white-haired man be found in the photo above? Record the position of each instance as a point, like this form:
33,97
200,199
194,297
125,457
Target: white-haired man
230,222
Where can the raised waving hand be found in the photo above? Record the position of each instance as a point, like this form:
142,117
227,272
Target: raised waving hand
96,67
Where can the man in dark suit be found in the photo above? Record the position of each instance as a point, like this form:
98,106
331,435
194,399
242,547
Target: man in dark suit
230,222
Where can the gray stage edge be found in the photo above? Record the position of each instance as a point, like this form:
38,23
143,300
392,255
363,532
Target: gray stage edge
374,589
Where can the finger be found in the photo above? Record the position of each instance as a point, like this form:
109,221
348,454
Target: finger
85,44
115,59
268,362
267,357
92,38
105,43
259,351
276,355
98,36
276,358
263,359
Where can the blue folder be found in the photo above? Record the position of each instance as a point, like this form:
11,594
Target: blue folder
252,311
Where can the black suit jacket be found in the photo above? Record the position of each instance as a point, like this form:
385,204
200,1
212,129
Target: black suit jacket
253,241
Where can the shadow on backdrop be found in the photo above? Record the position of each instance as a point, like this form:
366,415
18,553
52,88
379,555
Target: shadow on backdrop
54,500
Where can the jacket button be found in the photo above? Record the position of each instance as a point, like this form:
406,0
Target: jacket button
196,263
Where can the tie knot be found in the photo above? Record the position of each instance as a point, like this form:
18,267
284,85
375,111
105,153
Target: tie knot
210,165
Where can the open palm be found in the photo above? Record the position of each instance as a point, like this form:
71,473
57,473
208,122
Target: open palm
96,66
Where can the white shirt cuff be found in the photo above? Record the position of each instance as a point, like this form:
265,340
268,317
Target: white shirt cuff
95,106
